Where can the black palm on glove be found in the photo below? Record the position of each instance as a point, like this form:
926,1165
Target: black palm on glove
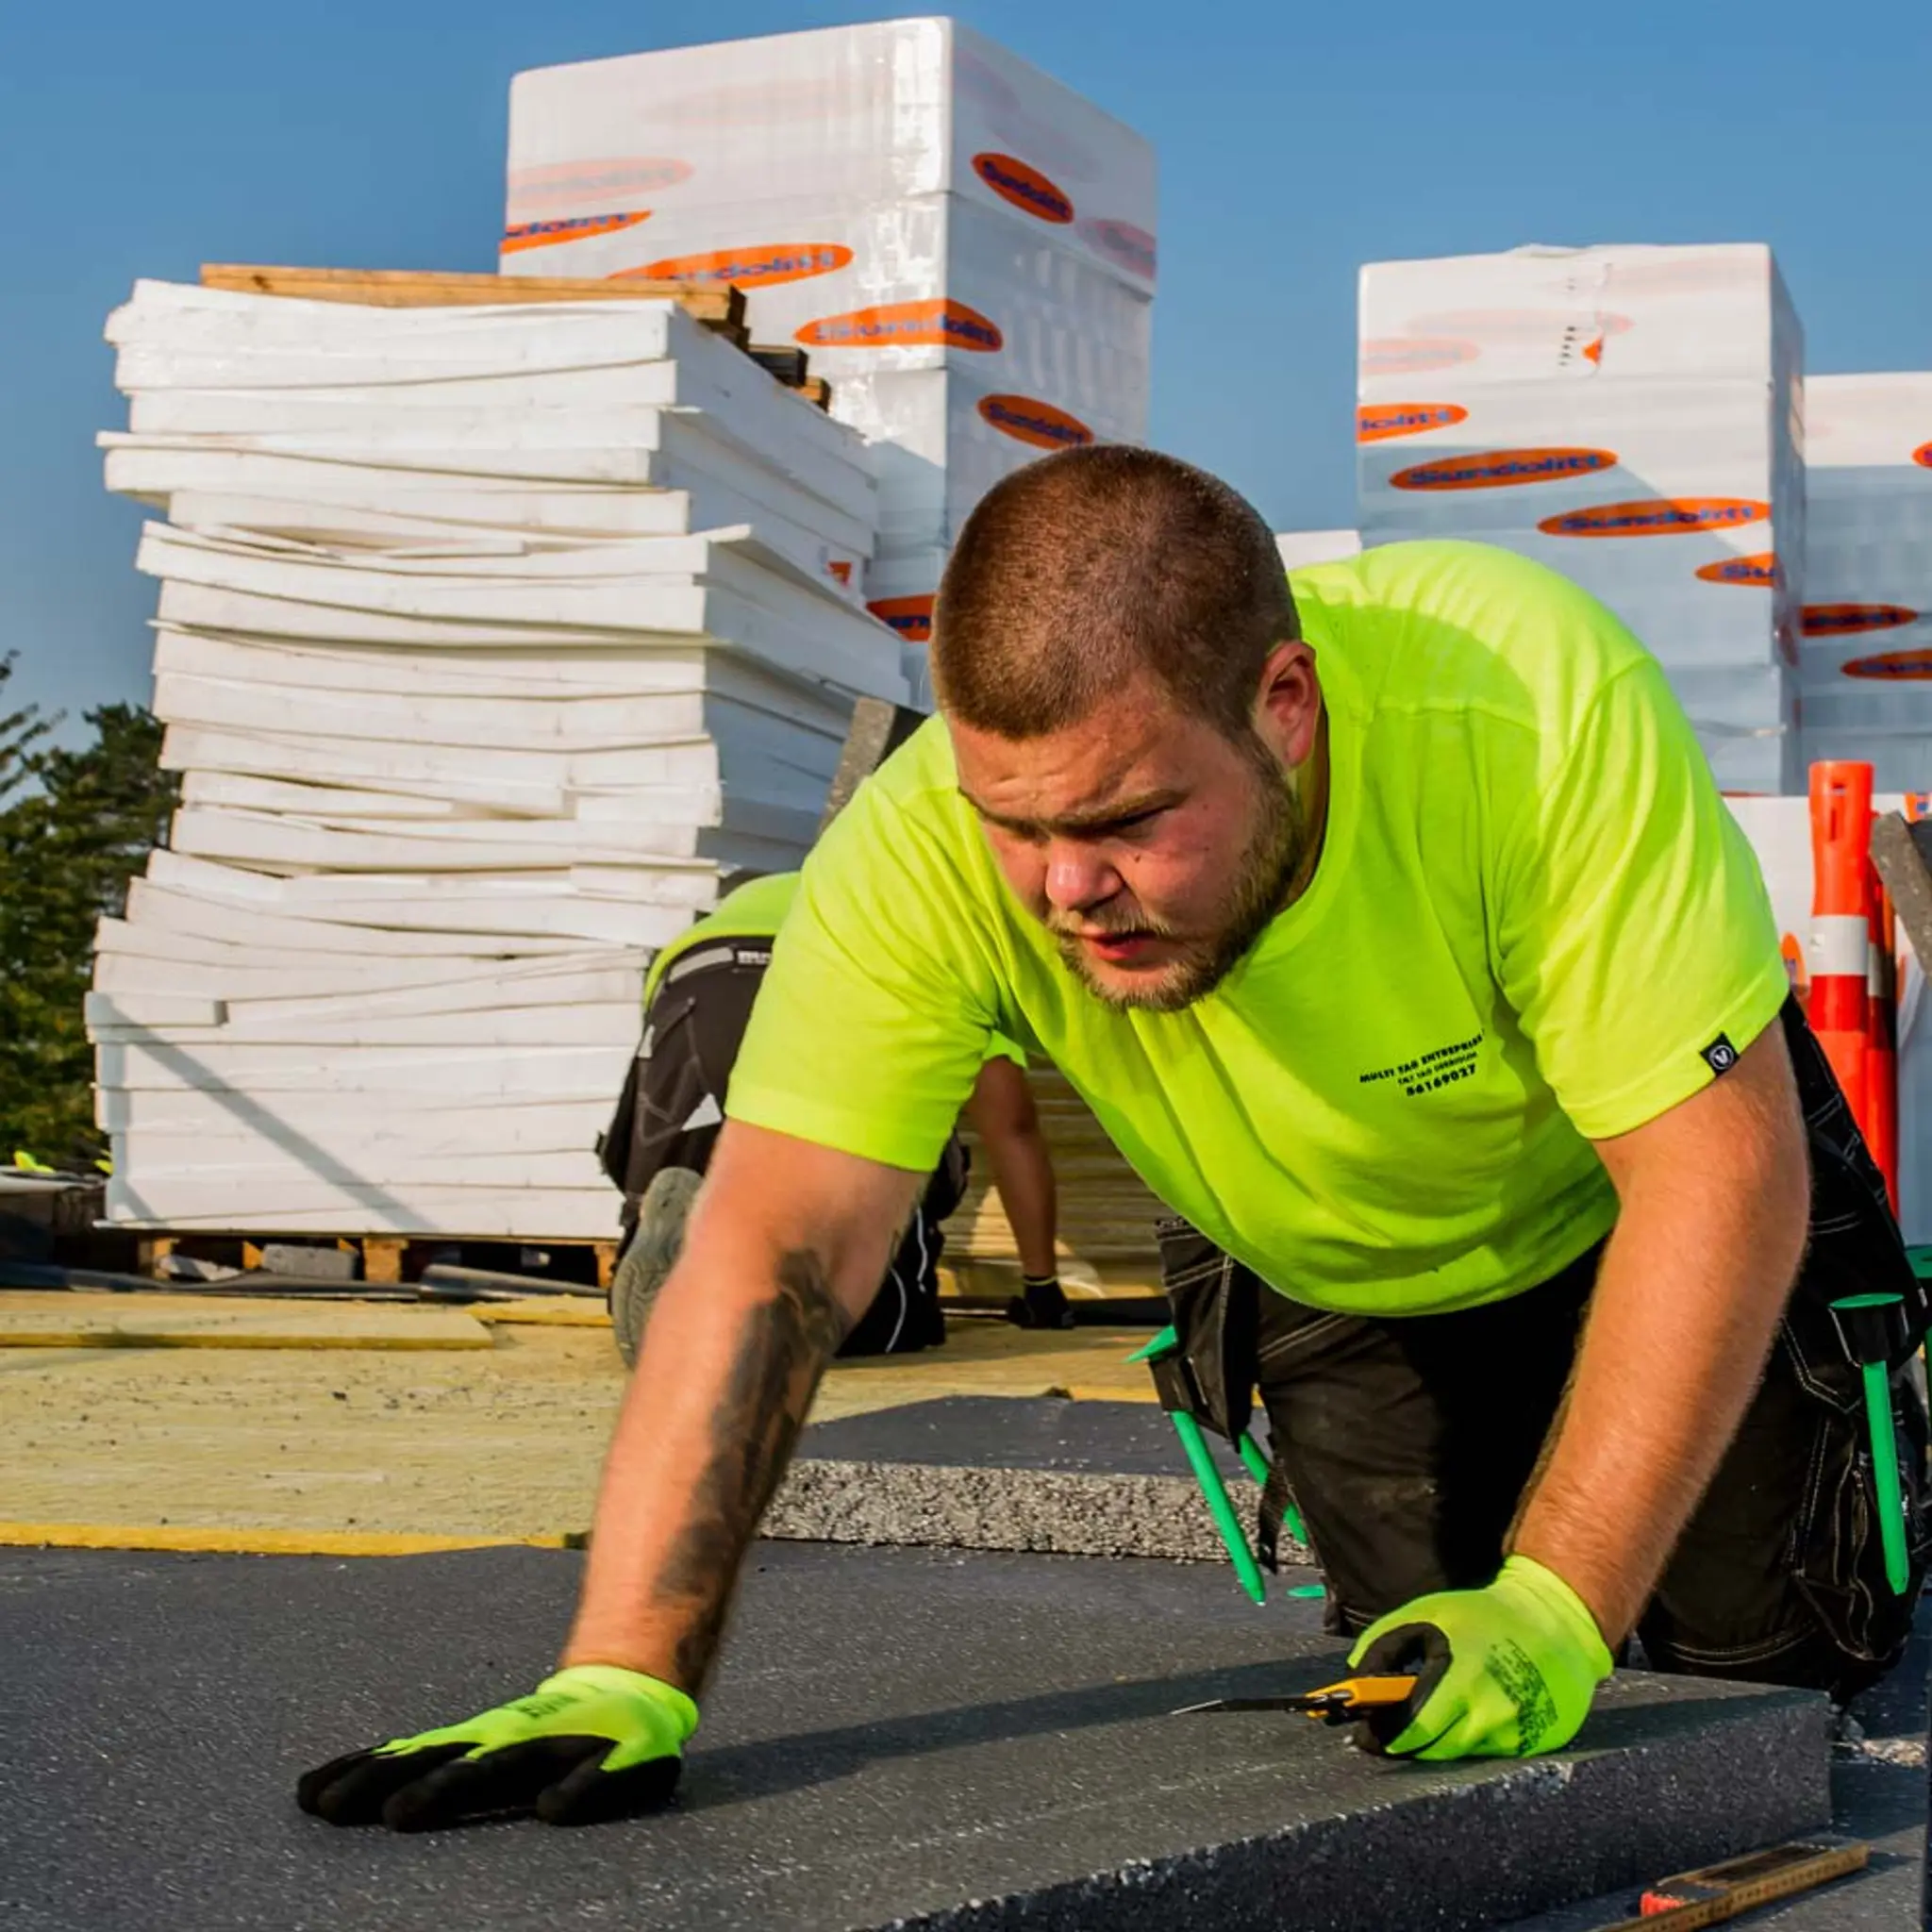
591,1743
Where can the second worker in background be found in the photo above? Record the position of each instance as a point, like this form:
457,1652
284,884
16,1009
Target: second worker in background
697,1002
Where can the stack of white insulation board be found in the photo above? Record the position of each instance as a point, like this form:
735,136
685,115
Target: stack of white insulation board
962,244
1866,662
1301,548
490,643
1633,417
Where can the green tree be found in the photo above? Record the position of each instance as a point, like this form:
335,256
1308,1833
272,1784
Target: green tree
75,825
21,729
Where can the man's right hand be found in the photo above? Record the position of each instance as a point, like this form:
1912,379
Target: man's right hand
592,1742
787,1245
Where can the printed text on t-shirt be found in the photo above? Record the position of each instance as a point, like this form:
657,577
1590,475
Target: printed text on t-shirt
1442,1066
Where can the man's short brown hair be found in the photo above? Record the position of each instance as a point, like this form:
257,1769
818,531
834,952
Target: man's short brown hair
1088,568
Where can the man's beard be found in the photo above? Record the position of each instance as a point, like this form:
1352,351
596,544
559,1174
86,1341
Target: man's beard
1264,879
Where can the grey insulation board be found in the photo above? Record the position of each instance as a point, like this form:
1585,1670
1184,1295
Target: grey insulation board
1036,1432
897,1739
1012,1473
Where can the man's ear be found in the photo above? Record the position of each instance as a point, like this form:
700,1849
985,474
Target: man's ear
1288,705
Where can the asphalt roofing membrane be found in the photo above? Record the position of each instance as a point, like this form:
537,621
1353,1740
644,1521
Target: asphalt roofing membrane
897,1737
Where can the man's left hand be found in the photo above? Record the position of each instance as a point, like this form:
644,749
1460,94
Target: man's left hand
1503,1671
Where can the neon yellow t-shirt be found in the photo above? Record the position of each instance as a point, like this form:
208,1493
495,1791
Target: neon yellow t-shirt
1532,918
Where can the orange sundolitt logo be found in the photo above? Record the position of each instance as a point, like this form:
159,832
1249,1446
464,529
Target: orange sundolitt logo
1413,355
755,267
1126,243
980,82
569,228
1658,516
566,188
1922,456
1520,324
1379,422
773,103
1761,570
912,617
1503,469
1028,419
1900,667
945,324
1670,273
1023,186
1847,620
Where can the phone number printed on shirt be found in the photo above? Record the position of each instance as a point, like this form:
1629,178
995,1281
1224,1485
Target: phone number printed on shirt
1442,1066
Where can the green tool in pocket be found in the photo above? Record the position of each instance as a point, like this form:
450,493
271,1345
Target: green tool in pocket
1161,1354
1873,1328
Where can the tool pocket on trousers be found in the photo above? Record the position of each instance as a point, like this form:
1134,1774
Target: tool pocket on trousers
1840,1558
1838,1555
1216,1305
1853,1249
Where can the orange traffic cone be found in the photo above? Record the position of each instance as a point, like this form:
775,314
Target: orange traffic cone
1841,921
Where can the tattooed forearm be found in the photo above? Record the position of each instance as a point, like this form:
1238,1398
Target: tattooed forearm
783,1347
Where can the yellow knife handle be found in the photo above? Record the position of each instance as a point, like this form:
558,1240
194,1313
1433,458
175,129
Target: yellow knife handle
1370,1691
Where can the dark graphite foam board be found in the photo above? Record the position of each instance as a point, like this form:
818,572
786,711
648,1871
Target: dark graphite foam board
1016,1432
1879,1794
897,1739
1011,1473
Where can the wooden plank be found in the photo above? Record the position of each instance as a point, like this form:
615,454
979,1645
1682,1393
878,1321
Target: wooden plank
719,306
817,391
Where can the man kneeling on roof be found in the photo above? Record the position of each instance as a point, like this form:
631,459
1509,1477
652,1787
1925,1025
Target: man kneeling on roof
698,1000
1392,926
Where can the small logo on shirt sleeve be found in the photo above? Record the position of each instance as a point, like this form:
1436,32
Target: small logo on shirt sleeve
1719,1056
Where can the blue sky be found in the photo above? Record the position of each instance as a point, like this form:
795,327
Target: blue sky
1295,143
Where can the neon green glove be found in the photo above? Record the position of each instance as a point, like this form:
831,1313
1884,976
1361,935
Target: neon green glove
592,1742
1507,1672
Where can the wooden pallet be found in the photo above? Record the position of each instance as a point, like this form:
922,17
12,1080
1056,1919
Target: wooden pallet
385,1258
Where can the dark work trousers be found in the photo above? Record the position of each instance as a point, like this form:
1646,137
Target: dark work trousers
1408,1442
672,1107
